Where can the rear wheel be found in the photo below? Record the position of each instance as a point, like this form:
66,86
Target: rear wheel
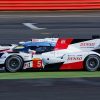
92,63
14,63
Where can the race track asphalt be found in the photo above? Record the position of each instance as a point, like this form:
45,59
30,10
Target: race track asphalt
50,89
77,25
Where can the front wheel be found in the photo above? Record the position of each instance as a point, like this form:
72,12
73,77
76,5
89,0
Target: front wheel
14,63
92,62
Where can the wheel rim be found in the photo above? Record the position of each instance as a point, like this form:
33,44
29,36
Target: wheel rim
14,63
93,62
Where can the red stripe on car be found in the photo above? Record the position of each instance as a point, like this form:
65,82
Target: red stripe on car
63,43
75,65
4,50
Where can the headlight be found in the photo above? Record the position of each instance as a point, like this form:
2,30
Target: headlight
1,54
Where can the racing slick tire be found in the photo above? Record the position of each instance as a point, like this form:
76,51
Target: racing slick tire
92,63
14,63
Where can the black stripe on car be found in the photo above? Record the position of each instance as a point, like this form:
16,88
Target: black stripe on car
97,51
79,40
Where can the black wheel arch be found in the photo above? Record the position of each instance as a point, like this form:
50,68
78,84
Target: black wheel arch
12,56
90,55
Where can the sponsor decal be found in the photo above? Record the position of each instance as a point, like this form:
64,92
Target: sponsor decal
74,58
63,41
87,45
26,65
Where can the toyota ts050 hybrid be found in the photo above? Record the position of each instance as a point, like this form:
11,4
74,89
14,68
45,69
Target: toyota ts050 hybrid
53,54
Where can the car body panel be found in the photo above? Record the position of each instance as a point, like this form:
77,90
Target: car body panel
66,54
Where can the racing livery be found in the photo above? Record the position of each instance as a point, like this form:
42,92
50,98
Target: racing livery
54,54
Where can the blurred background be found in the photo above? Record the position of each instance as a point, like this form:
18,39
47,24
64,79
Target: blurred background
22,20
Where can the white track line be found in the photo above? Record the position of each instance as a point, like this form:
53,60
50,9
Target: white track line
32,26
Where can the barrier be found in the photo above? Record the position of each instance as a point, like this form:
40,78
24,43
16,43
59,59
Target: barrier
49,5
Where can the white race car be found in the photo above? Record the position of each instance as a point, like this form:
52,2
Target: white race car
66,54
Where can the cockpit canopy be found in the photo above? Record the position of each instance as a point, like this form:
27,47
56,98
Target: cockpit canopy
39,47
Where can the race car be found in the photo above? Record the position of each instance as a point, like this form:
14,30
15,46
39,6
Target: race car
66,54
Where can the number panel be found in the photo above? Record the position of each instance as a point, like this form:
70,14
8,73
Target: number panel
37,63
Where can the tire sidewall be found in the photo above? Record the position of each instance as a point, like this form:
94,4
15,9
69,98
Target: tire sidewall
18,58
87,67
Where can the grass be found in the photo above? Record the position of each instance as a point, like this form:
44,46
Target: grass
35,75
